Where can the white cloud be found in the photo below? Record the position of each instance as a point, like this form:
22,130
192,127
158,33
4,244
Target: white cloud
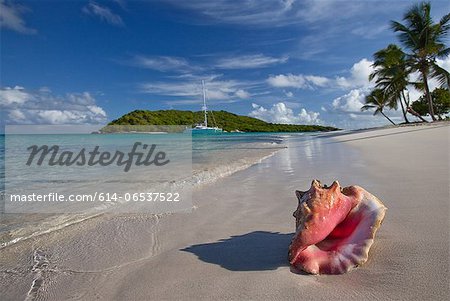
163,63
104,13
96,110
359,75
248,61
16,115
369,31
313,11
45,90
242,94
318,81
346,109
444,63
308,117
288,94
261,12
297,81
57,116
11,17
278,12
350,102
280,113
41,107
13,96
182,65
358,78
171,89
289,80
217,90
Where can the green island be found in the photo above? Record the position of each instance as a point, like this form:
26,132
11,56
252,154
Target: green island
227,121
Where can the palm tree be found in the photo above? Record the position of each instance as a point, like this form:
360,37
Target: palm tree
377,100
425,40
391,76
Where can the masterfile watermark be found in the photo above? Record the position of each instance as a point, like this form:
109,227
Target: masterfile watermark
97,197
52,155
124,169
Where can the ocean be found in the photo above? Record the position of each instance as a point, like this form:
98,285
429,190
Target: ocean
213,157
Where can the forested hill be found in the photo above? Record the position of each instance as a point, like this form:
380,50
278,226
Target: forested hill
225,120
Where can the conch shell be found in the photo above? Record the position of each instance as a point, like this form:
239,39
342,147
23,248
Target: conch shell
335,228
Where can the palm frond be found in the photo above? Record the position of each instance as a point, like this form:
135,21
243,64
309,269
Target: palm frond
418,85
367,107
440,74
445,24
377,111
443,53
405,36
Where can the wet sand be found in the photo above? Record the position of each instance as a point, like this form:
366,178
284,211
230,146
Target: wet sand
233,245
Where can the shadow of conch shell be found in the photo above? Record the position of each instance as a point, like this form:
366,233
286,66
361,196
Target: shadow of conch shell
335,228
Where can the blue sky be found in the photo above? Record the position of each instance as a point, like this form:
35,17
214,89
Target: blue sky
286,61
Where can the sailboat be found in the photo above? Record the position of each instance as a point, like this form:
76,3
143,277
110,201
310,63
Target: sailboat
203,128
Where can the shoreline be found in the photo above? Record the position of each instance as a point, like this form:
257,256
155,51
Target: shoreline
239,237
203,174
386,127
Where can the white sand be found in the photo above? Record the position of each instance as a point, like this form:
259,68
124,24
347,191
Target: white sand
234,245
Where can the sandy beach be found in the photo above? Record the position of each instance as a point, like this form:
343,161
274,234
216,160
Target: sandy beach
233,245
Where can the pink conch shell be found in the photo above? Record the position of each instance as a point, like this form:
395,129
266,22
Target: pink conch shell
335,228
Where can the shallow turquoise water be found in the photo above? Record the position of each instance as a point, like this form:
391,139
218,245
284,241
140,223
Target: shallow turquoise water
213,157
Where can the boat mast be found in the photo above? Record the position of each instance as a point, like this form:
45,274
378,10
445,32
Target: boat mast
204,103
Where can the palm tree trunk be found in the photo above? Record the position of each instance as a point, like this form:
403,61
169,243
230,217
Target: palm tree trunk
387,117
411,111
403,107
428,96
